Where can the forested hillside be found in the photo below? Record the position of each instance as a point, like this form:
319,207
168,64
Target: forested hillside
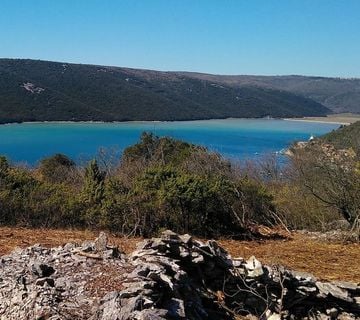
338,94
345,137
32,90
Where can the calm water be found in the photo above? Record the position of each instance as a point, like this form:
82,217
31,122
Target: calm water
234,138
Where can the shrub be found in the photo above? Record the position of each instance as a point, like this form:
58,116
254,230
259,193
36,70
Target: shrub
330,175
186,202
56,169
160,183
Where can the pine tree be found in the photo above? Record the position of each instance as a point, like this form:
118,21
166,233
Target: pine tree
93,192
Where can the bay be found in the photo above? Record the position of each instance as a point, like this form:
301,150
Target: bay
237,139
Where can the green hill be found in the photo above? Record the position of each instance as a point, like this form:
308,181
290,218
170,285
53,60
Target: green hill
345,137
32,90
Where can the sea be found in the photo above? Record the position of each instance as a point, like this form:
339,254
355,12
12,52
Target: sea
235,139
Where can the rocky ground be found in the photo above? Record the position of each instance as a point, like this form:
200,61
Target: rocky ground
171,277
328,258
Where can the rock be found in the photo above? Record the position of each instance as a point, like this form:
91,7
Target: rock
176,308
158,245
140,271
69,247
347,285
333,290
237,262
186,239
111,253
302,277
253,267
42,281
332,313
42,270
100,243
196,257
87,246
169,235
272,316
151,314
139,253
347,316
183,252
306,290
172,277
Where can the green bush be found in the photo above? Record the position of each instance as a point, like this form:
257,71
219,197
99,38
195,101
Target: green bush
160,183
56,169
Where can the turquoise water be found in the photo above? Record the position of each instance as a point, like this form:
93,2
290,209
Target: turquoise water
234,138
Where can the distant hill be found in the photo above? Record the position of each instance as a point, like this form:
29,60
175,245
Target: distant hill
345,137
338,94
32,90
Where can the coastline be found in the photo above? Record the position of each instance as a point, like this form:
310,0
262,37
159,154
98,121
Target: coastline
337,118
127,121
345,120
144,121
318,121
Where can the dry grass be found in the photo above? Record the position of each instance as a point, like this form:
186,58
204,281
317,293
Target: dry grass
327,261
23,237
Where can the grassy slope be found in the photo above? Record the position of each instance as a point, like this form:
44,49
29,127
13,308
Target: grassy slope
84,92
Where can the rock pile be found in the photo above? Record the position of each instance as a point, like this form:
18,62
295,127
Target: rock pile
59,283
172,277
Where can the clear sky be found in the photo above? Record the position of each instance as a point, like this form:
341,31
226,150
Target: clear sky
310,37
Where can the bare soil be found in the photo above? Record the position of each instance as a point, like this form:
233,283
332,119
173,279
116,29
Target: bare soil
326,260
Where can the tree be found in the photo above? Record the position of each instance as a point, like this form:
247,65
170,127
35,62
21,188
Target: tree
16,189
56,169
93,192
4,164
4,169
254,204
331,176
152,149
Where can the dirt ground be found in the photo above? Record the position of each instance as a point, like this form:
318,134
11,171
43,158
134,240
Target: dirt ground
327,261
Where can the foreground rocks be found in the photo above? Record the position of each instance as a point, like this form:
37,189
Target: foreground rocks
172,277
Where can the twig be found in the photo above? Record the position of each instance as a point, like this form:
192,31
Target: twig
88,255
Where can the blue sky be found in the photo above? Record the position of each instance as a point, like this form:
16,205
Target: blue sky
310,37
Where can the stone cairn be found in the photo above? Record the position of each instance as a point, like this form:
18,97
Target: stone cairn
171,277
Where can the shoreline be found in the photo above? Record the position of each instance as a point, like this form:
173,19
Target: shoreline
319,121
339,119
336,118
163,121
